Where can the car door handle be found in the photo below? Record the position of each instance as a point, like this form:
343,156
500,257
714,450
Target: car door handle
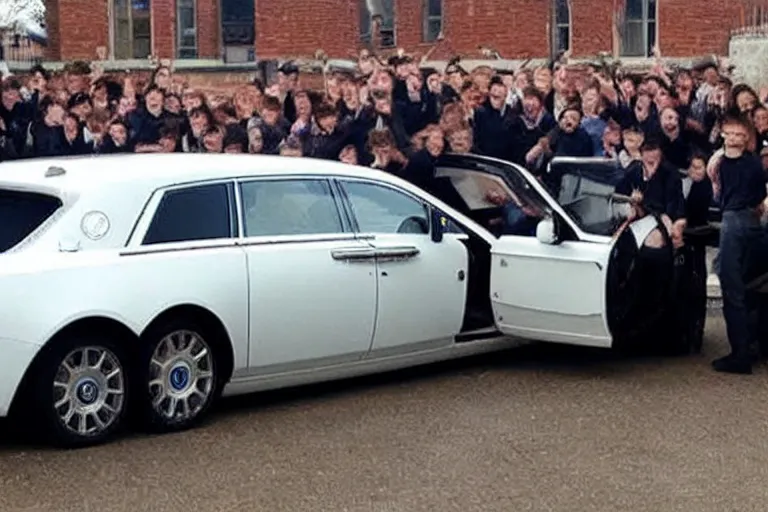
352,254
398,253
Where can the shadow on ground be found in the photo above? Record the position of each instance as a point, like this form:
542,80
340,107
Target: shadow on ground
539,357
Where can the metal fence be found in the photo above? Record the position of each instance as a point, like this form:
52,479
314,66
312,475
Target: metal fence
20,49
752,19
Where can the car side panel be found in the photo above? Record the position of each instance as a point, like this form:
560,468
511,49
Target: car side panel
16,358
44,294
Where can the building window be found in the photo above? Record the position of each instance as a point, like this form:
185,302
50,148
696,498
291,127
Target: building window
238,20
638,28
365,22
384,10
561,26
132,37
186,29
433,20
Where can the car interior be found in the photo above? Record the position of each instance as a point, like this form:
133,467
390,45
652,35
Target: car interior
586,193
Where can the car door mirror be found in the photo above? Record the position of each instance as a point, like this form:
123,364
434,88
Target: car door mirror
436,226
546,232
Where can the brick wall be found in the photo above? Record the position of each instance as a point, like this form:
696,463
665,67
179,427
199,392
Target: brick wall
409,24
163,28
591,27
208,29
714,20
291,28
516,28
53,50
82,25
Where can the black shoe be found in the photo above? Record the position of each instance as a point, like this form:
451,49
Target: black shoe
729,364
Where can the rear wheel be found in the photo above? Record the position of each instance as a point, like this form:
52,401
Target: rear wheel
179,380
80,391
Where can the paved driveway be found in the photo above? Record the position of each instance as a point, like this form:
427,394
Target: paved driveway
539,428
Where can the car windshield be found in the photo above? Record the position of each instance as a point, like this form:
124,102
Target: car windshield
585,190
21,213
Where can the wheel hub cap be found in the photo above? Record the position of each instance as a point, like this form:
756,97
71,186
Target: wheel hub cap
181,376
87,391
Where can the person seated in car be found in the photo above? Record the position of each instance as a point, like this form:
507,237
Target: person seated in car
518,218
656,185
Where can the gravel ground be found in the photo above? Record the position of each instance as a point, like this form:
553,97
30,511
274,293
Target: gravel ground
539,428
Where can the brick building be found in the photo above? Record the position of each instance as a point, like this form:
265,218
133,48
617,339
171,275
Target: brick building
236,32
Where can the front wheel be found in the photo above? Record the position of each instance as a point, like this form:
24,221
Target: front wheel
80,391
179,380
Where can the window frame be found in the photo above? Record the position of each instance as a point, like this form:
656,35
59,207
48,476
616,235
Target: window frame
180,5
366,36
559,24
647,17
114,18
429,207
428,17
346,224
388,34
135,242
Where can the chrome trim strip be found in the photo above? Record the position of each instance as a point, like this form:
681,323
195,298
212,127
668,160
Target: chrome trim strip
301,239
239,209
178,247
246,242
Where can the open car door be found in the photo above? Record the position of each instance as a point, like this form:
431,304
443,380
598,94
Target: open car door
553,280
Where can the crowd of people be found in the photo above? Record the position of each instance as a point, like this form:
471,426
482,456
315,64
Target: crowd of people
684,137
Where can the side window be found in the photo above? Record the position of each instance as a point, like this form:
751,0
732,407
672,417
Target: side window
289,207
380,209
196,213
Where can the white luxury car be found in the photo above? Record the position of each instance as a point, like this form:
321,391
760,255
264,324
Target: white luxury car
150,285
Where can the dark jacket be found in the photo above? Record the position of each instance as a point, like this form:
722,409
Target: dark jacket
319,144
494,130
145,127
662,194
47,140
527,134
578,143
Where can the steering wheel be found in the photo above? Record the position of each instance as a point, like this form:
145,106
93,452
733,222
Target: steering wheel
414,225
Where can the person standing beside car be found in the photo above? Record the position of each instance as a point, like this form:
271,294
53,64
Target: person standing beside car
739,182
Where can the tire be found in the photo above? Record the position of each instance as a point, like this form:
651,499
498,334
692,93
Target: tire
178,376
80,391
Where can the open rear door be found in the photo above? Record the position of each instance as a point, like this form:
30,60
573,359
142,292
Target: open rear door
566,292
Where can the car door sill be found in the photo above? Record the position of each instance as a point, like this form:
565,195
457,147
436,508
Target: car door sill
477,335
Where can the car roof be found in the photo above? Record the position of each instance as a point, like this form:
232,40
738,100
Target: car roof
160,170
